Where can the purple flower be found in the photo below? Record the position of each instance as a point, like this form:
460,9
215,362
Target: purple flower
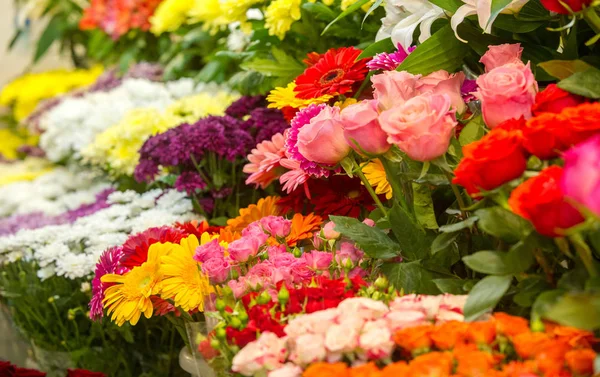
108,263
389,61
190,182
145,70
266,122
468,87
244,106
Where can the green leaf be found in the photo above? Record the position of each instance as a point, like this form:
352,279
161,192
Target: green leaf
452,286
544,302
372,240
585,83
443,241
53,32
451,228
411,277
503,224
529,289
577,310
441,51
384,45
473,131
513,262
562,69
371,9
534,11
414,242
320,10
497,7
351,9
485,295
14,39
509,22
449,5
423,206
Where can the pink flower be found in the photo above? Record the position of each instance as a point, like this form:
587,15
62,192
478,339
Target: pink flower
208,251
581,175
246,247
369,222
308,348
276,226
264,354
283,260
397,320
322,140
376,340
497,56
394,87
389,61
238,287
301,272
362,130
217,269
421,127
317,241
329,232
294,178
342,338
362,308
427,304
441,82
506,92
263,165
348,252
255,230
288,370
318,260
313,323
262,272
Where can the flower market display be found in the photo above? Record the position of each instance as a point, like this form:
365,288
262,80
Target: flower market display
305,188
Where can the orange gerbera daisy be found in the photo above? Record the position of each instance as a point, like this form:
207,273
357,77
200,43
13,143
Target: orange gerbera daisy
265,207
303,227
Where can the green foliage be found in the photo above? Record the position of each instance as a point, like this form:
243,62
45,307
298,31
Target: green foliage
485,295
372,240
586,83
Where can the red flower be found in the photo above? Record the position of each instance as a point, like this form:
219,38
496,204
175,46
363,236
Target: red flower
336,72
6,369
556,6
541,201
206,350
83,373
554,100
196,228
23,372
135,249
492,161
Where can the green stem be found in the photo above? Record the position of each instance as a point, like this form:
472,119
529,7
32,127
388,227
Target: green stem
591,17
585,254
365,181
397,190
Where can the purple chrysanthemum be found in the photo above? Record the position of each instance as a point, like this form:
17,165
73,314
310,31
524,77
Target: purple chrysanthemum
190,182
389,61
266,123
468,88
244,106
108,263
302,118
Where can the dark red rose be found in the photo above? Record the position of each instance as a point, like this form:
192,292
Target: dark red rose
83,373
7,369
23,372
553,100
556,6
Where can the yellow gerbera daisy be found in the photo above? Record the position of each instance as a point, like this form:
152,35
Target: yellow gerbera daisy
265,207
282,97
184,282
375,174
129,298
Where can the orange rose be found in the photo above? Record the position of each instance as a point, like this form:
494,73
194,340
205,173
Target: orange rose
447,335
575,337
473,363
438,364
510,325
520,369
415,338
553,100
581,361
395,370
584,121
481,332
366,370
551,357
529,344
326,369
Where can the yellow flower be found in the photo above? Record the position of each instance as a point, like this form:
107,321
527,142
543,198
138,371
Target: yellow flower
194,107
129,298
12,140
280,15
375,174
26,170
265,207
281,97
184,282
347,3
170,15
347,102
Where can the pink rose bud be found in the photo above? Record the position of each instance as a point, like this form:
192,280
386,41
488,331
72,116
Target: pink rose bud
217,270
322,140
497,56
506,92
241,250
318,260
441,82
329,233
392,87
208,251
369,222
581,175
421,127
276,226
361,126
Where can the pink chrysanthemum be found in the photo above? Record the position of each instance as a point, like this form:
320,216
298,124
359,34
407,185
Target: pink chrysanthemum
108,263
264,161
295,177
302,118
389,62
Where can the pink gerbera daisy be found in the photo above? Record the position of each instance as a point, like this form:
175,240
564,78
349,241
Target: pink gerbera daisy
389,61
108,263
264,161
295,177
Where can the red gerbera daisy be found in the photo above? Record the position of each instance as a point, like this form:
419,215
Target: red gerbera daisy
334,73
196,228
135,249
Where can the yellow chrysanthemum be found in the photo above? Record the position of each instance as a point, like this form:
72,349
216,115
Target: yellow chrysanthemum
375,174
280,15
191,108
129,298
184,282
12,140
265,207
282,97
170,15
26,170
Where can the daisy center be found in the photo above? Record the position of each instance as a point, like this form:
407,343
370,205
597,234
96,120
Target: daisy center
332,76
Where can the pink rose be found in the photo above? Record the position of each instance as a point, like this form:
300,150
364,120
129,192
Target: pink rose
376,340
369,222
342,338
317,241
308,348
263,273
497,56
441,82
357,271
283,260
241,250
362,308
361,126
208,251
427,304
581,175
329,232
313,323
506,92
288,370
348,253
238,287
318,260
322,140
393,87
397,320
421,127
264,354
276,250
217,269
276,226
300,272
255,230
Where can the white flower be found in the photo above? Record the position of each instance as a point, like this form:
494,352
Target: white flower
237,40
483,10
46,272
85,287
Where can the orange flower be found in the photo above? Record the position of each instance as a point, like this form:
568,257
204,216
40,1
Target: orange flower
551,357
573,336
581,361
528,344
481,332
395,370
226,235
510,325
415,338
519,369
366,370
434,364
449,334
326,369
265,207
303,227
473,363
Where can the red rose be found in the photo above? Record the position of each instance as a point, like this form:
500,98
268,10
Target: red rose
6,369
556,6
243,337
554,100
492,161
23,372
583,121
83,373
541,201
